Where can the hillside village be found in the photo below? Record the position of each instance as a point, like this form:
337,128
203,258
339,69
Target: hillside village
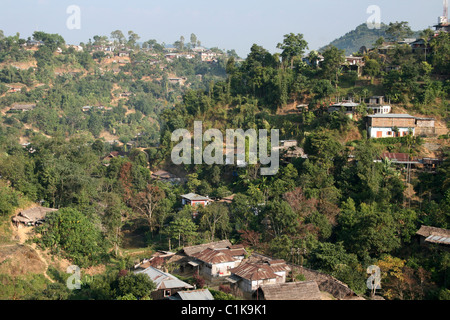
86,177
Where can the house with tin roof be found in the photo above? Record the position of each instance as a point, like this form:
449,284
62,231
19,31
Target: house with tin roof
202,294
218,262
433,235
253,273
165,176
22,107
193,199
210,259
33,216
390,125
166,284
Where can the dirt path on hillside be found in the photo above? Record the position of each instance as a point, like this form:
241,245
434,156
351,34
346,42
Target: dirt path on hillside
22,234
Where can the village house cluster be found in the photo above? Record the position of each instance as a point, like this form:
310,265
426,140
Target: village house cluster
381,123
251,276
248,276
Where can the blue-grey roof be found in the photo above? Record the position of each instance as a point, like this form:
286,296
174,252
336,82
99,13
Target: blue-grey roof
164,280
204,294
438,239
391,115
194,197
345,104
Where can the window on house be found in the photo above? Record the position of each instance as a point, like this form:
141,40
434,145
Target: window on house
166,293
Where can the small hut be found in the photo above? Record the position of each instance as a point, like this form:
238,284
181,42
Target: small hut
433,235
33,216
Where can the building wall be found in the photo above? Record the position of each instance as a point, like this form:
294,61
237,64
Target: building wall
159,294
224,268
425,127
193,203
392,122
256,284
282,275
248,286
425,123
380,109
377,132
425,131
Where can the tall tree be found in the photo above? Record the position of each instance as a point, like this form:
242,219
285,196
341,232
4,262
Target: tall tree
118,37
145,203
398,31
215,217
183,229
193,40
293,46
113,219
331,65
132,38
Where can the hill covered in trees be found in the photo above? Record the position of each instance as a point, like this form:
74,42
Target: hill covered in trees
100,126
362,36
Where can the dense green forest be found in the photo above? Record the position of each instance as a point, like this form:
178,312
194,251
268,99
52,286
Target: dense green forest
362,36
344,215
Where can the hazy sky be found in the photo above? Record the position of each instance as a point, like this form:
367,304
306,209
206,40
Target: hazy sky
226,24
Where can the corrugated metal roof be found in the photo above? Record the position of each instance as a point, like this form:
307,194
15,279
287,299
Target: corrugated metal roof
345,104
233,278
164,280
438,239
395,156
305,290
258,271
33,214
204,294
427,231
392,115
213,245
194,197
214,256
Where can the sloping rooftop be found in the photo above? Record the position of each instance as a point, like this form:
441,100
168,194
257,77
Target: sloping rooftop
213,245
435,235
194,197
304,290
237,250
395,156
213,256
162,174
203,294
253,272
345,104
260,270
392,115
164,280
33,214
23,106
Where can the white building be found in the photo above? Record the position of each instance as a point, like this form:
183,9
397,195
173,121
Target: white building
390,125
249,276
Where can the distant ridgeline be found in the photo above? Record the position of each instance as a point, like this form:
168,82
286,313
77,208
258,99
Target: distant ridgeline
362,36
